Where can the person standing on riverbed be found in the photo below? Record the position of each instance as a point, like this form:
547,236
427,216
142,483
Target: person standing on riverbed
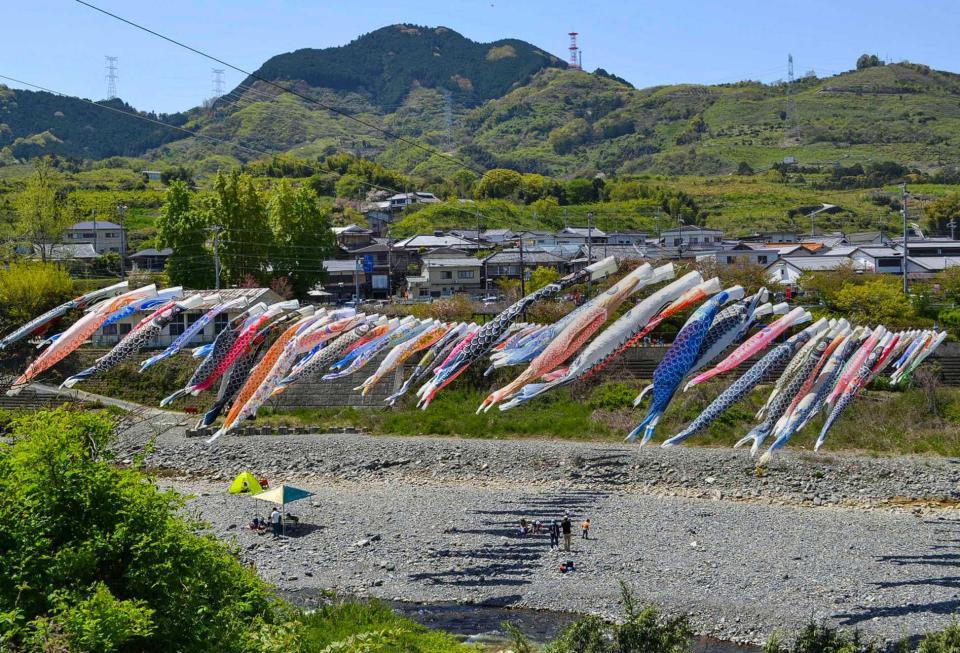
275,522
585,527
567,527
554,534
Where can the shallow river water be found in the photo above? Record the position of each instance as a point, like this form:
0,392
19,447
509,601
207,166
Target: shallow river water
482,624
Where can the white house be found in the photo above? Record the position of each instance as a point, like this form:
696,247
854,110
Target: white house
580,235
692,237
444,275
103,235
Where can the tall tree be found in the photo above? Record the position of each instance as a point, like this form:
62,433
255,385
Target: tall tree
237,207
942,211
42,219
301,234
183,228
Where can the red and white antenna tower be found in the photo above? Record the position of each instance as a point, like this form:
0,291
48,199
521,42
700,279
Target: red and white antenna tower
574,59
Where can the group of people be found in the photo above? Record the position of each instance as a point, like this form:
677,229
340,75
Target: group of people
555,528
275,522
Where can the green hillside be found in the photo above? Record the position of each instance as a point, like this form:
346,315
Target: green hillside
564,122
35,123
385,65
573,122
509,104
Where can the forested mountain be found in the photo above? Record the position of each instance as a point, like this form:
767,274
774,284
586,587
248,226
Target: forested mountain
386,64
510,104
33,123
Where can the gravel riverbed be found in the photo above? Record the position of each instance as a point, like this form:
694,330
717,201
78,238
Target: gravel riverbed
857,541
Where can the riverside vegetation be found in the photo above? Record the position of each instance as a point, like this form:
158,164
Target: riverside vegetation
99,559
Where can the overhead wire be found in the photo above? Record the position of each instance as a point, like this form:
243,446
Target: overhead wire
389,134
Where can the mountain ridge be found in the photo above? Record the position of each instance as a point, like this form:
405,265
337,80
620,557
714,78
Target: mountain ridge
510,104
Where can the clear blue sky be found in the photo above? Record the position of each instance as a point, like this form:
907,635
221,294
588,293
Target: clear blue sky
61,44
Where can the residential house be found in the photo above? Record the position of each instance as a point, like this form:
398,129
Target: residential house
920,248
103,235
692,237
389,266
773,237
638,252
425,242
381,213
445,273
748,253
506,264
342,278
626,238
787,270
403,200
109,335
536,239
84,252
150,259
580,235
352,236
498,236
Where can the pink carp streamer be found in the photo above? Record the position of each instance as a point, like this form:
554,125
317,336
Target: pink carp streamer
753,345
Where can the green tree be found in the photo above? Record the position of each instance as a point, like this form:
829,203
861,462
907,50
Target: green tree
463,182
752,276
238,208
878,300
580,191
100,559
537,187
301,236
621,191
42,218
868,61
183,228
942,211
540,277
350,188
29,288
498,183
567,137
826,285
744,169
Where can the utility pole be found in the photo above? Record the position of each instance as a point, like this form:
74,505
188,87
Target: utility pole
216,255
953,226
906,236
589,248
356,281
121,212
389,270
523,276
680,248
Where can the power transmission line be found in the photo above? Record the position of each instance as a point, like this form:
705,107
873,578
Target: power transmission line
187,131
429,150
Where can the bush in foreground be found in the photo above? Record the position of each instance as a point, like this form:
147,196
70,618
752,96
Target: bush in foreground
98,559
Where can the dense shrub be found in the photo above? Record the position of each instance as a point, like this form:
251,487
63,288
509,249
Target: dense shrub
97,558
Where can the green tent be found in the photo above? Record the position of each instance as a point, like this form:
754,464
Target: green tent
245,483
